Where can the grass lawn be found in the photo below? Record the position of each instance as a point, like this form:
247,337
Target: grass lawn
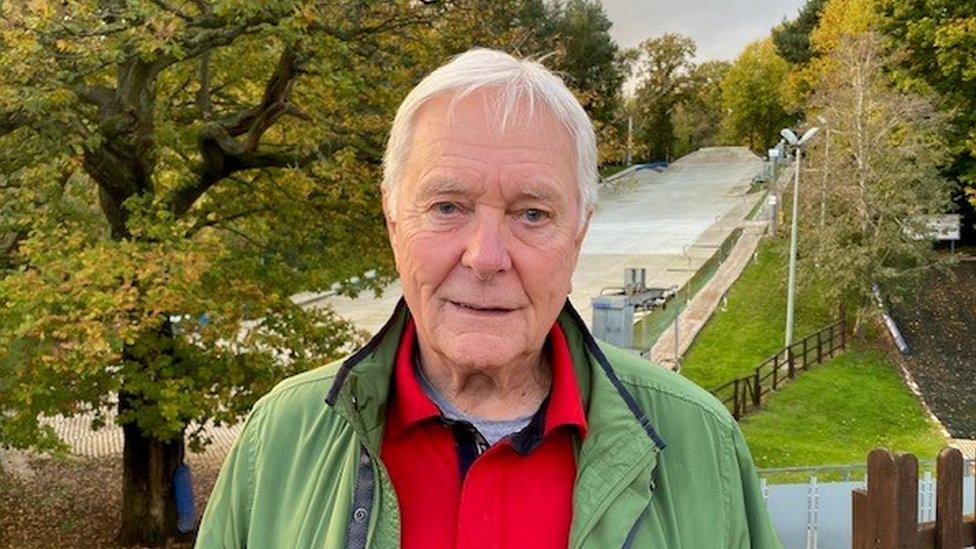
838,412
834,413
752,327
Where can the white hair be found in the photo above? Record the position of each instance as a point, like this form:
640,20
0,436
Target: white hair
518,81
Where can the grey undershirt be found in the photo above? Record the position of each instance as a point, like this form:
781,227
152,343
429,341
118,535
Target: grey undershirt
492,430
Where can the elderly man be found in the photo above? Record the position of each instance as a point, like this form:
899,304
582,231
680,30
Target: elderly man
484,414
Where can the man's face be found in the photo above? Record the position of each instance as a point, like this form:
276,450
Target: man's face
486,232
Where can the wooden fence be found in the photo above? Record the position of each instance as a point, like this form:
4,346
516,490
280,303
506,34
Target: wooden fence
744,394
886,514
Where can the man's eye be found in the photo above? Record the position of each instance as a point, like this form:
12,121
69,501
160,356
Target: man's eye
446,208
533,215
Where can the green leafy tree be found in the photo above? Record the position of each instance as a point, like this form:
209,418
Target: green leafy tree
792,37
864,214
752,95
589,59
936,41
698,119
587,56
663,69
173,171
571,38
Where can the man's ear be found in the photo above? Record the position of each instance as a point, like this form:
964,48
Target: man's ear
581,234
578,242
387,213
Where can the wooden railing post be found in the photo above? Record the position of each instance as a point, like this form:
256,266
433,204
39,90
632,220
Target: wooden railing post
757,391
775,371
735,399
843,327
948,502
789,361
805,352
820,347
886,515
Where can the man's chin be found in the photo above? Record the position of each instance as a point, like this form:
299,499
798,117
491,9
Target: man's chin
482,350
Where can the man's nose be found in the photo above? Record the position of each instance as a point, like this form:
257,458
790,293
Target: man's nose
486,251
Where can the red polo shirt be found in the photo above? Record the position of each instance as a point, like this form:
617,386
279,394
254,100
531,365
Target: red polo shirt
455,493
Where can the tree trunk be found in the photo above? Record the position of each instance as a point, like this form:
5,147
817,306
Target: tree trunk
148,506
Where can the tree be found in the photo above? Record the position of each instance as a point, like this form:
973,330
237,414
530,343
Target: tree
663,71
173,172
885,149
792,38
836,19
698,117
588,58
936,42
572,39
752,97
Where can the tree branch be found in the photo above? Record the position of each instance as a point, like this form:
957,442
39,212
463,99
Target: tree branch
223,156
12,121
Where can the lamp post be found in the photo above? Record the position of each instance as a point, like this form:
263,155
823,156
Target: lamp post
797,144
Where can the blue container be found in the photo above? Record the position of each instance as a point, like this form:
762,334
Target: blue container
186,514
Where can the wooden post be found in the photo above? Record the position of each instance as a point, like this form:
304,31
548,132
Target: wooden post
805,352
820,347
886,517
789,361
843,327
735,399
775,371
948,503
757,391
861,517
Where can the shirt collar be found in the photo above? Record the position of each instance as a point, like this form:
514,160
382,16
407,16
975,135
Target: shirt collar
563,406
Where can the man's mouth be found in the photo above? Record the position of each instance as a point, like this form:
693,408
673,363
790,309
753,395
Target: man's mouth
482,309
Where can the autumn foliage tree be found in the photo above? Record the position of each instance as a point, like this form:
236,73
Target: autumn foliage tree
752,95
663,68
698,117
866,209
936,43
171,172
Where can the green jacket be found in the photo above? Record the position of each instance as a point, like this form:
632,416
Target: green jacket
663,464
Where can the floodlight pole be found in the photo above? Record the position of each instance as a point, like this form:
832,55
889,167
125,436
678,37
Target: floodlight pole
791,285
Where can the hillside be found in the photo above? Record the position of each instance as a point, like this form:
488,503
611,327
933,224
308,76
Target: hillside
939,324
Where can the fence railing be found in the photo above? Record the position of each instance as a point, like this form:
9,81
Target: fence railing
746,393
885,515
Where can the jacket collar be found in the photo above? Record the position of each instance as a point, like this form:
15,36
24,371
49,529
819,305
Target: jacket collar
362,383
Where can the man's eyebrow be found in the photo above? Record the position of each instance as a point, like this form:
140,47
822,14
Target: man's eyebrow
536,192
440,188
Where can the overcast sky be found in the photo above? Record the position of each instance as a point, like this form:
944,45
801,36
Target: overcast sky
720,28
